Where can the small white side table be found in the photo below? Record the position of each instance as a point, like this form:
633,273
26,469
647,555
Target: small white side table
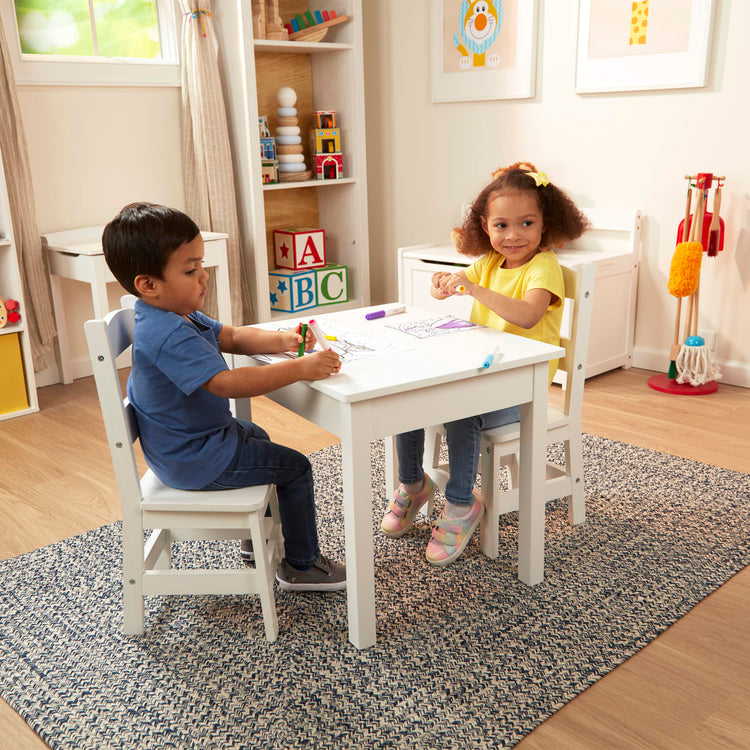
77,254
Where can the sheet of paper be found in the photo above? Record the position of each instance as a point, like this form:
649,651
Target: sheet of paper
350,345
428,327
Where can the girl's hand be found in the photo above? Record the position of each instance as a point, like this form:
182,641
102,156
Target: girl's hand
319,365
453,283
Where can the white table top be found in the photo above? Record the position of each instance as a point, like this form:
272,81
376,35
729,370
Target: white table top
88,240
429,361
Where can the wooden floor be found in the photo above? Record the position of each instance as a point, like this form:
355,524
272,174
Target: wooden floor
690,688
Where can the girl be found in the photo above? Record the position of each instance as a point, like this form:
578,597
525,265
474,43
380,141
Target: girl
517,286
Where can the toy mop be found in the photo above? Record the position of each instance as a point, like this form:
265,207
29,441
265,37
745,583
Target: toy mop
691,370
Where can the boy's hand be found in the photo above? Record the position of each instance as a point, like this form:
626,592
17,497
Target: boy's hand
291,340
320,365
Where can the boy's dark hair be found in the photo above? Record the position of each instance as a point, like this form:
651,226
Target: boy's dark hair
140,239
563,220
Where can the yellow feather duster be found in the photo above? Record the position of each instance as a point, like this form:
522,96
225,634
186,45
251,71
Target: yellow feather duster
685,270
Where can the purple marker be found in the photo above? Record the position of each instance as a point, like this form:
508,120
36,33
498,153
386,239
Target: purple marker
382,313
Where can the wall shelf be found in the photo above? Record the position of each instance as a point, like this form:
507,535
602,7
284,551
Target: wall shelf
326,75
17,376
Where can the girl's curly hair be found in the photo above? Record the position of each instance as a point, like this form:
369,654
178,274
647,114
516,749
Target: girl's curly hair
563,220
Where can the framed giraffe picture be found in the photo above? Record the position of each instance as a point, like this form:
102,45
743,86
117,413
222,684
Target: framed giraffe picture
637,45
483,49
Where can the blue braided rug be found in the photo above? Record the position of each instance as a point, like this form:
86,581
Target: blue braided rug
466,656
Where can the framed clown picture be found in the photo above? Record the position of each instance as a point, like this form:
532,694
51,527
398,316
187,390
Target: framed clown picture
483,49
637,45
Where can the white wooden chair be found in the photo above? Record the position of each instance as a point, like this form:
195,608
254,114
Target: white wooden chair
500,446
175,515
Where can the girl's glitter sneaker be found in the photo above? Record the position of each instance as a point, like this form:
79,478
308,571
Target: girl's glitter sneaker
403,509
451,535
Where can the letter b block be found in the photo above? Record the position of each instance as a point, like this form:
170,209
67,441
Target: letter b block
292,290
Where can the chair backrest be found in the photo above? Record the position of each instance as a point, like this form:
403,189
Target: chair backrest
107,339
579,292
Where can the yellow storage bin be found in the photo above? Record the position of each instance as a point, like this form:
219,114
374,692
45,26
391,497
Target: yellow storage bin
12,381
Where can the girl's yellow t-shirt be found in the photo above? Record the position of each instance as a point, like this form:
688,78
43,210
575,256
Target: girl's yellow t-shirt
541,272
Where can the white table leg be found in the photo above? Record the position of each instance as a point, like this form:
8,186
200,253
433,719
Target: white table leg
99,286
360,551
63,347
532,473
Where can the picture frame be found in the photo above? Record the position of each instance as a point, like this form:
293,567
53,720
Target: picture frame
616,51
492,62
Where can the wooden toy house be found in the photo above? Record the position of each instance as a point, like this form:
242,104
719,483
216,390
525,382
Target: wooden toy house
329,166
269,169
324,118
325,140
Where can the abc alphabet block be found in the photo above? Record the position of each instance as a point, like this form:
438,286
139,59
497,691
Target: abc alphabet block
332,284
299,249
292,290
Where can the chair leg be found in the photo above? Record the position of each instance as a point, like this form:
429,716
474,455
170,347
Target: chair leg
263,560
574,466
488,530
132,580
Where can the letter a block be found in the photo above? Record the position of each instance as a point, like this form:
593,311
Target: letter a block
299,249
332,284
292,290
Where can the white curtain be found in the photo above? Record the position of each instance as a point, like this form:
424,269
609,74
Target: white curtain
38,315
206,154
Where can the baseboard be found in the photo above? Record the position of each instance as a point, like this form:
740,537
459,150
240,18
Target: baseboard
80,368
732,371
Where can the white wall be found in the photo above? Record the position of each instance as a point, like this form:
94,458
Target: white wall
607,150
92,151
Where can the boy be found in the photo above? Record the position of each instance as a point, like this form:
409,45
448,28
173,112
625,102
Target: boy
180,385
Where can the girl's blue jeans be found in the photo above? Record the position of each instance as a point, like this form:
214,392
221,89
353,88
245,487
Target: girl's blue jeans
463,437
259,461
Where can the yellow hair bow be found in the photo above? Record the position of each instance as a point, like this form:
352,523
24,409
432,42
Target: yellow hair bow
539,178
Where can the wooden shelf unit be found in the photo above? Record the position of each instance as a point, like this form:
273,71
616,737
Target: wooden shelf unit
11,288
325,75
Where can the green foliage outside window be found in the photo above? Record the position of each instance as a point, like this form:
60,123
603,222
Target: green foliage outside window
123,28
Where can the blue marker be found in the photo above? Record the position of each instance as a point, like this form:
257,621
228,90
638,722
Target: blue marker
490,359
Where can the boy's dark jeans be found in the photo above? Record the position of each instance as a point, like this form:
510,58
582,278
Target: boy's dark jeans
259,461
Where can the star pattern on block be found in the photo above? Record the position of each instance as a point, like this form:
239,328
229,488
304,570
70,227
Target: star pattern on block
282,286
284,250
274,298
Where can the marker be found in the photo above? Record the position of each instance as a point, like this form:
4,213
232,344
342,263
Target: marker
490,359
303,333
331,338
315,328
382,313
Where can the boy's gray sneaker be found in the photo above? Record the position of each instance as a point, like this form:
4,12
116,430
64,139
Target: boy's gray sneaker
324,575
247,554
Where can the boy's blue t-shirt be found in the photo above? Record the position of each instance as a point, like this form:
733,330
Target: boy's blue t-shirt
188,435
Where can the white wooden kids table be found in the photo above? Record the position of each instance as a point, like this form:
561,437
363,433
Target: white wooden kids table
428,381
77,254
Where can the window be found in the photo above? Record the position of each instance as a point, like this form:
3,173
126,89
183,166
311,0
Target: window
98,42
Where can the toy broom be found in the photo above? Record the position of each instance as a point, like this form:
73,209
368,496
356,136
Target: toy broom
693,363
684,273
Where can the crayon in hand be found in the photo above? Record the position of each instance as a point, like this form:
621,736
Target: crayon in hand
303,333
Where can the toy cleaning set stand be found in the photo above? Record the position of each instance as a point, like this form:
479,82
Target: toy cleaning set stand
691,371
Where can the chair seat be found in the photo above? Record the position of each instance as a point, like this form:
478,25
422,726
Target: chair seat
508,432
157,496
